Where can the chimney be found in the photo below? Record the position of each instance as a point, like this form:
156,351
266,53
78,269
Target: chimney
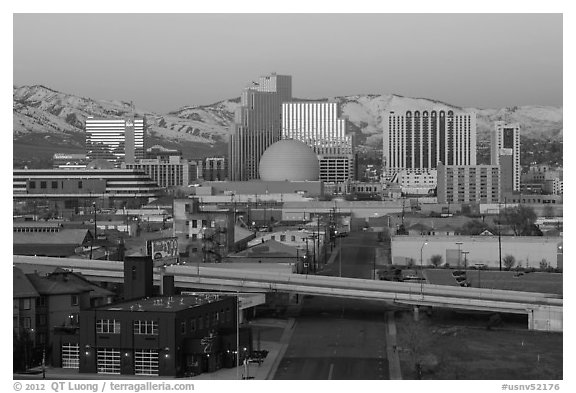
138,278
168,285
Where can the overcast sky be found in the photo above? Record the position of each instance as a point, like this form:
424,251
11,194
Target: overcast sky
165,61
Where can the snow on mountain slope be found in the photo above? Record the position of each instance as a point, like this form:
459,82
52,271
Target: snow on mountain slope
38,109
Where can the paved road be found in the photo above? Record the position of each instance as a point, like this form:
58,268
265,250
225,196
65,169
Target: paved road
340,338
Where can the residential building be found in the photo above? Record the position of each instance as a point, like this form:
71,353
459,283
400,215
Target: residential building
505,152
115,140
204,234
321,126
468,184
257,124
416,140
167,171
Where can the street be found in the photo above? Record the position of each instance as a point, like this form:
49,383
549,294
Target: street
340,338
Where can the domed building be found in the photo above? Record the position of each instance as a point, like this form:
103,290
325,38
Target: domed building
289,160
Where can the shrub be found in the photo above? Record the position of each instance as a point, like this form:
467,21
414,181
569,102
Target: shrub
509,261
436,260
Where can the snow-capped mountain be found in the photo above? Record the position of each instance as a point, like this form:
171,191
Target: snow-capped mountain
51,118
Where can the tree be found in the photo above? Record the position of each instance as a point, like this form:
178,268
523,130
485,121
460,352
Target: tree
415,337
544,264
521,219
509,261
436,260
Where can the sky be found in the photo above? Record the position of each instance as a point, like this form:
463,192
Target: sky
163,62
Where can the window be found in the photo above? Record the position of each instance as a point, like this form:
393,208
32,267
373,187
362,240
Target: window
282,238
27,323
80,184
293,238
200,323
110,326
273,237
42,184
194,223
54,184
32,184
193,325
26,304
194,236
183,327
146,327
75,300
187,236
204,223
42,320
70,358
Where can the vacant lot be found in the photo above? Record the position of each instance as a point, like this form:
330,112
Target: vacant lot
528,282
464,352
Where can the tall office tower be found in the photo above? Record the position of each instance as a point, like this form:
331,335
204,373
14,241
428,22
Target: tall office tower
417,140
505,152
320,126
115,140
257,124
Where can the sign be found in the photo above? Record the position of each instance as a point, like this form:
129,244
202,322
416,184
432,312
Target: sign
208,342
163,251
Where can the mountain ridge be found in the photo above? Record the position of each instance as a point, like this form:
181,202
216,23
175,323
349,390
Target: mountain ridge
41,113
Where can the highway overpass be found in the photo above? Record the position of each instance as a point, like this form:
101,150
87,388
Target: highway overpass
544,310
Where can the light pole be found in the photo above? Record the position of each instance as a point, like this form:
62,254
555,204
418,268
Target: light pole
340,256
459,244
95,228
422,269
465,259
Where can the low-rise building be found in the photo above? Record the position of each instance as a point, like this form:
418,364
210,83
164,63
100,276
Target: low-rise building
468,184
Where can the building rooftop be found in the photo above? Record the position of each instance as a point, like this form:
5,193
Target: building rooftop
64,236
162,303
22,287
48,286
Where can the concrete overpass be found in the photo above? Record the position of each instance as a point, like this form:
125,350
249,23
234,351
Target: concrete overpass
544,310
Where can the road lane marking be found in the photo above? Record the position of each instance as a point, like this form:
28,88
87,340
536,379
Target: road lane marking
331,370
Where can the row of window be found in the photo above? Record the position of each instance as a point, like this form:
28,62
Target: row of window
26,303
54,184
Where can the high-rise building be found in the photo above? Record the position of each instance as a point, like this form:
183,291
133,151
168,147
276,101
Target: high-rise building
418,140
214,168
115,140
468,183
505,152
320,126
257,124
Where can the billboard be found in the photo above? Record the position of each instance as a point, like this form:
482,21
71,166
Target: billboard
163,251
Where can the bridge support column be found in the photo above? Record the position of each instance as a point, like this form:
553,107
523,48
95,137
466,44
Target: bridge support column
416,313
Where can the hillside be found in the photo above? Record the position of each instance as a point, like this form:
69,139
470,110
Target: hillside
47,121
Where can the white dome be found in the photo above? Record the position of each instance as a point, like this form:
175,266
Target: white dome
290,160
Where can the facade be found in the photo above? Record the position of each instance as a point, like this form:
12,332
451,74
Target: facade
214,169
65,190
115,140
419,140
505,152
468,184
541,179
320,126
257,124
203,234
170,171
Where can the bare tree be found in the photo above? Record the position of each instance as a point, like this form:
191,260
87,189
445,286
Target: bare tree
436,260
415,337
509,261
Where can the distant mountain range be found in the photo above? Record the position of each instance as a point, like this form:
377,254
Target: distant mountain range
46,121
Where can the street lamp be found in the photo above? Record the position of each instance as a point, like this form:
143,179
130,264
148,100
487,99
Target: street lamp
92,244
459,244
465,259
422,269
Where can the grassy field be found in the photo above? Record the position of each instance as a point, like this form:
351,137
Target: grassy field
528,282
467,352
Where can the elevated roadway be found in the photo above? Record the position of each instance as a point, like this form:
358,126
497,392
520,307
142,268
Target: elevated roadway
544,310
